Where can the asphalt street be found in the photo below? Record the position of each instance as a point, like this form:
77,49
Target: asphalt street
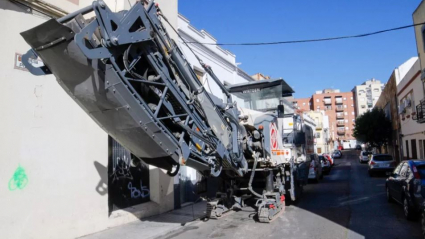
347,203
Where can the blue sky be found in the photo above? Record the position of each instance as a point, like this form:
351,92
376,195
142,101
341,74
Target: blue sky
308,67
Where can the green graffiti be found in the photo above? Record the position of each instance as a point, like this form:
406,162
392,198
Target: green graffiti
19,179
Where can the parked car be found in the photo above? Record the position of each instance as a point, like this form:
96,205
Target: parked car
337,154
326,165
404,185
358,147
331,160
364,156
315,172
381,163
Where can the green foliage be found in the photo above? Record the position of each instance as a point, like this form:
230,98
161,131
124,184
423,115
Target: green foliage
373,127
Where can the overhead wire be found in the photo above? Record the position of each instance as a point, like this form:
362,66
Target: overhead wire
308,40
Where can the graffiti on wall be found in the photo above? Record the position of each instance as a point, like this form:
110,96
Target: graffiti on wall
19,179
128,183
136,193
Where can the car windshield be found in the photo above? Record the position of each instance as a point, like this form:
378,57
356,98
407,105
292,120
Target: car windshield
366,153
382,158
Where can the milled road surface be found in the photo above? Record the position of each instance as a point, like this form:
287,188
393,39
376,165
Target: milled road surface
347,203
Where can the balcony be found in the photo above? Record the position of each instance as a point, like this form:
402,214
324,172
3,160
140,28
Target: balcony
319,126
339,108
338,100
327,101
340,131
420,112
340,123
340,116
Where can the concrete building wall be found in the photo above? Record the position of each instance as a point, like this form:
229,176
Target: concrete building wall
413,133
54,157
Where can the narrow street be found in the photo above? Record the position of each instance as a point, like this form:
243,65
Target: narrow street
347,203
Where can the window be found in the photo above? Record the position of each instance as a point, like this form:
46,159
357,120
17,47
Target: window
345,106
303,103
345,113
345,98
421,148
376,90
352,113
318,107
362,99
363,106
414,151
328,107
407,148
346,121
352,105
351,97
319,151
317,135
309,103
317,100
354,120
346,128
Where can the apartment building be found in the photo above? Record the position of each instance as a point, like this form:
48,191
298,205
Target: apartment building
338,106
322,143
366,95
302,104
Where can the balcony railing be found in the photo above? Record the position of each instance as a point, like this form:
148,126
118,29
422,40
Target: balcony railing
420,112
340,123
341,131
339,108
319,126
339,116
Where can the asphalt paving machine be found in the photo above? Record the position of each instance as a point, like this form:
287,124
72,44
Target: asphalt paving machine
132,79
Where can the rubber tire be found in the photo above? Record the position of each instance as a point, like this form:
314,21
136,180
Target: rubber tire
389,198
407,210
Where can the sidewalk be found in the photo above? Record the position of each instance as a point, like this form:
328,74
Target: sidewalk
155,226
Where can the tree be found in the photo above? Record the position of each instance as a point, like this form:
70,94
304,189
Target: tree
373,127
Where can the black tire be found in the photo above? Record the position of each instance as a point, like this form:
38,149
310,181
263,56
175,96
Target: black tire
389,197
408,210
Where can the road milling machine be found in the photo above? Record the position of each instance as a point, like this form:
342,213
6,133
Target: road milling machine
124,70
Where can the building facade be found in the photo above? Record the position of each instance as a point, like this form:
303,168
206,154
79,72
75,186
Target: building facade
60,179
322,143
366,95
419,17
389,103
339,107
409,91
